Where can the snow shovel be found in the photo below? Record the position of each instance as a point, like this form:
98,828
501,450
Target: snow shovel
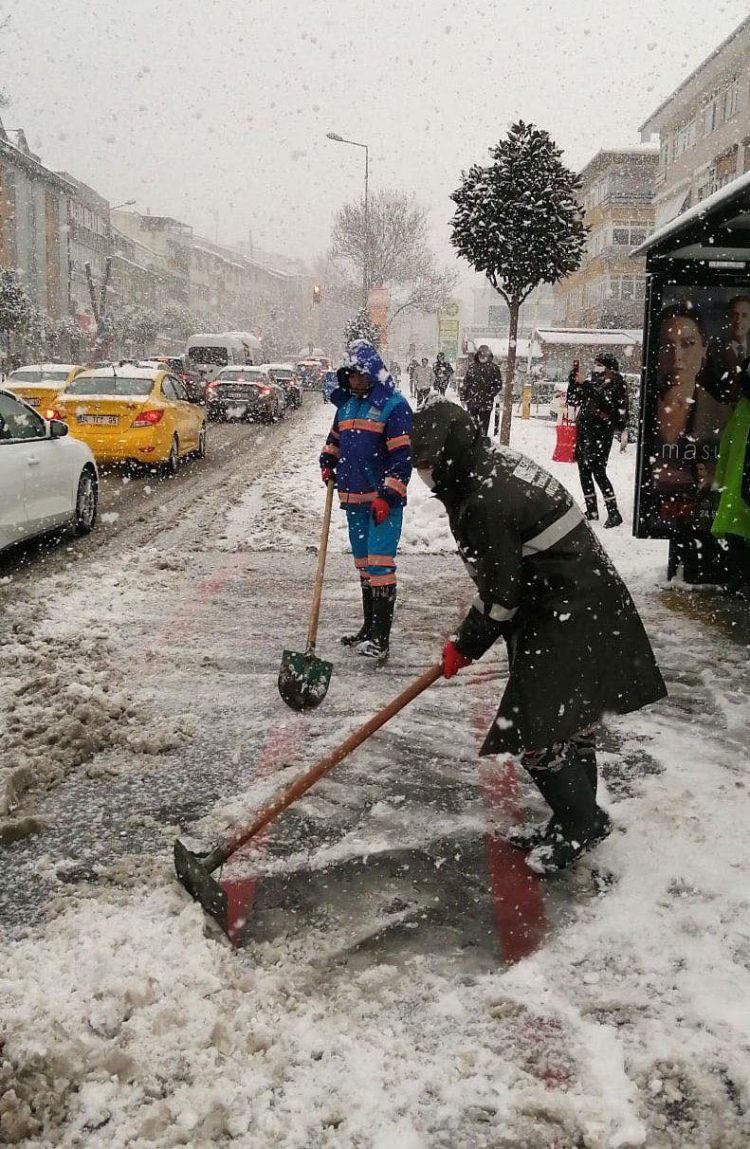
195,870
303,678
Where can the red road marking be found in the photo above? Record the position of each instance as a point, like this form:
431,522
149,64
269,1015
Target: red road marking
520,914
281,743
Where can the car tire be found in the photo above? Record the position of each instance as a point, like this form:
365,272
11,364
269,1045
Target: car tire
172,464
201,452
87,502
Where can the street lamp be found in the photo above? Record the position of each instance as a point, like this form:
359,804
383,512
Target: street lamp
366,275
128,203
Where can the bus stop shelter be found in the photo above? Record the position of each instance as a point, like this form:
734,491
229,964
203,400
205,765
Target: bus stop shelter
696,338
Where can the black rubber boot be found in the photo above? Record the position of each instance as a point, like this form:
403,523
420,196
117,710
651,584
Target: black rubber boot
592,508
532,834
578,823
383,606
365,631
614,518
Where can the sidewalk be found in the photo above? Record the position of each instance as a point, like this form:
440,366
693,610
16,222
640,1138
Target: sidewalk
379,1000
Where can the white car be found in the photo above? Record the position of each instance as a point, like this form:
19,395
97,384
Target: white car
47,478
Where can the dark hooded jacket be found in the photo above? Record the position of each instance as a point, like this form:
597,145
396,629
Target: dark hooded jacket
482,383
577,648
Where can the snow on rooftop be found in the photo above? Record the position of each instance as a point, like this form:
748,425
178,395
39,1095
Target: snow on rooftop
697,211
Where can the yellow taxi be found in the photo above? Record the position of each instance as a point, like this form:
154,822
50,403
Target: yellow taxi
130,413
39,383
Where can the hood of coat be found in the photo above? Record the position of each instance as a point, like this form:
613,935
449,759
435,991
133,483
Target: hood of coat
490,357
364,357
446,438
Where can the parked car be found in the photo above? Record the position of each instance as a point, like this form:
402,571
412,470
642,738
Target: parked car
48,479
245,393
127,413
39,383
285,374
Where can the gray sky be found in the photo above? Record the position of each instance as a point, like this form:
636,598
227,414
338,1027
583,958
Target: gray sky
191,106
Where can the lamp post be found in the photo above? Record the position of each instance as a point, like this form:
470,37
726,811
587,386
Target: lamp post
128,203
366,272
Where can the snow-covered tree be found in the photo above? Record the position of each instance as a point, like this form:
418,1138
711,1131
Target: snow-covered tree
518,221
398,244
15,305
361,326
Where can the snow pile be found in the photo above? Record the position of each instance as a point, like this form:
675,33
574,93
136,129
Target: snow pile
286,516
63,706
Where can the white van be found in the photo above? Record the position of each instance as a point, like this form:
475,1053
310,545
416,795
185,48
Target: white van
207,354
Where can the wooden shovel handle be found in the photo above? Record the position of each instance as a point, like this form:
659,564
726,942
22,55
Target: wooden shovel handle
269,813
312,631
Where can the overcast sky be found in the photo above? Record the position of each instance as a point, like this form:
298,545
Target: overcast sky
197,106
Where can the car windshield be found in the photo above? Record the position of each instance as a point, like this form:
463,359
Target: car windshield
214,355
282,373
243,375
36,375
110,385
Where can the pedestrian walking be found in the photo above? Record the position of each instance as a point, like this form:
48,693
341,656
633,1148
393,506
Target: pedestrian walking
412,372
442,372
395,370
576,646
602,402
482,385
423,380
368,453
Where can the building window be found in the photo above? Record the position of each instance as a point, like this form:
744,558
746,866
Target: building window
628,233
732,98
726,168
495,318
711,116
706,185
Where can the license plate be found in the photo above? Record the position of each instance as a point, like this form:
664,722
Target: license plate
99,420
235,412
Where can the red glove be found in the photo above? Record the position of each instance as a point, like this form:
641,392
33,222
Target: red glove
327,474
453,660
380,511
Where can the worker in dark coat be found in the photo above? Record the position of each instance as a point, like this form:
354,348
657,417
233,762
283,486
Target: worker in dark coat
602,402
443,373
482,384
576,645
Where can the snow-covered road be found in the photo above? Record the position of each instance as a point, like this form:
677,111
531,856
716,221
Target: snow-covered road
370,1006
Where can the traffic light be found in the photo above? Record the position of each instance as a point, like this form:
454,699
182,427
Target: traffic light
317,293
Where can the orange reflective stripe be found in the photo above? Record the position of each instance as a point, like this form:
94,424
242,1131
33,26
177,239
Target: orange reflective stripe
359,563
356,497
381,561
396,485
383,580
399,441
361,425
332,449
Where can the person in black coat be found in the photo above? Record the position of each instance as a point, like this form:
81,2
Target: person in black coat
577,649
443,373
482,384
602,403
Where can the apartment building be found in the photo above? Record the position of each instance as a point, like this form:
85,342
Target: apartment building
703,129
609,289
33,224
89,242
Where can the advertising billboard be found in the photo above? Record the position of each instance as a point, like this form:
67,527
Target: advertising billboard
699,339
449,322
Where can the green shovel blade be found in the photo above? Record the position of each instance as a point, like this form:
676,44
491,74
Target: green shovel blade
303,680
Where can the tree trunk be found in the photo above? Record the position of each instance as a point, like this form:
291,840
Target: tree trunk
514,307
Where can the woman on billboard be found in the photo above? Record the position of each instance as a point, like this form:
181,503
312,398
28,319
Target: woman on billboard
689,420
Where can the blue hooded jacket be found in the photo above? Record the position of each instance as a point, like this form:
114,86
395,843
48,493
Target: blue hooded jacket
369,444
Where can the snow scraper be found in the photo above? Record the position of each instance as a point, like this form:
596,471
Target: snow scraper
303,678
195,870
